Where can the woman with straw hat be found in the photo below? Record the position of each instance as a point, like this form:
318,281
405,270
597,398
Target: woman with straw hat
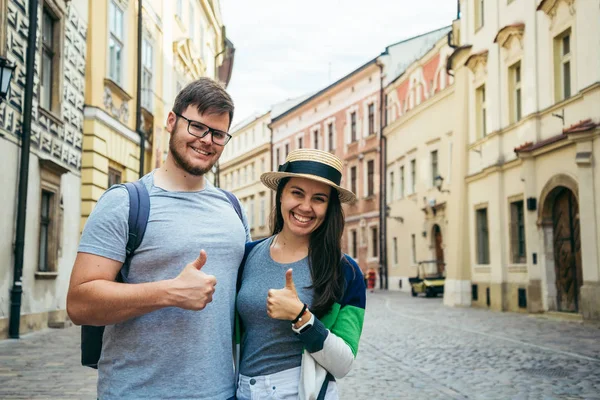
300,301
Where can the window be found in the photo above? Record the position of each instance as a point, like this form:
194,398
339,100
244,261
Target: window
515,92
300,142
370,178
481,112
374,242
517,233
46,221
434,167
371,119
402,181
413,248
353,127
277,156
262,211
287,149
479,13
252,176
316,139
48,60
51,217
386,115
413,176
354,246
147,68
395,247
330,135
262,166
562,51
114,176
483,244
391,191
353,180
115,43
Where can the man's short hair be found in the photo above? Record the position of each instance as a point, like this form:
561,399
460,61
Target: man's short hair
207,95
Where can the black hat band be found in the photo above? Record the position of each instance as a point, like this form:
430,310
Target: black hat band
312,168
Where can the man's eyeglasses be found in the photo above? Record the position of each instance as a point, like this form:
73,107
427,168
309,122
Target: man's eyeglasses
199,130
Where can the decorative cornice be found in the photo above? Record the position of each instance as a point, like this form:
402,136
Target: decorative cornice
184,50
505,34
550,6
477,58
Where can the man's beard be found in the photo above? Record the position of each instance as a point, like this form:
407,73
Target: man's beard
181,160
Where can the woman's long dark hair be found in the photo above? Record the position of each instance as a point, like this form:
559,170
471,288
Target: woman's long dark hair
324,252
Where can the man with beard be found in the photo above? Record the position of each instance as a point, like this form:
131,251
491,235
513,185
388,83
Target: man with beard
169,329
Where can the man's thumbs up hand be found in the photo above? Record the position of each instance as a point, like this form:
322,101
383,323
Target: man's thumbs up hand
284,303
193,288
199,262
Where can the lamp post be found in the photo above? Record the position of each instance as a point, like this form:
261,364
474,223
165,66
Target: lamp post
438,182
6,73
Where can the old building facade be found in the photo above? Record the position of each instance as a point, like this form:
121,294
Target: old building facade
245,158
181,41
344,120
528,89
419,104
54,176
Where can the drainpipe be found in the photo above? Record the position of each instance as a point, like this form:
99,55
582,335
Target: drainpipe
383,271
138,106
17,289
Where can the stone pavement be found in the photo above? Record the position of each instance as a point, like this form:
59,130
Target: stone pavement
415,348
411,348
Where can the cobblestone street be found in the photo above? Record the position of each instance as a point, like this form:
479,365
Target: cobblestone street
411,348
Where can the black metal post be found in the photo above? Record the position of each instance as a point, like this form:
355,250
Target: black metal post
17,288
138,107
383,273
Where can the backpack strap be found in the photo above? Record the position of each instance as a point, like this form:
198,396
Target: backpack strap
139,212
234,202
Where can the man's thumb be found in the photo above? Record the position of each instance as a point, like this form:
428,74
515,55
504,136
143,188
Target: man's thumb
199,262
289,281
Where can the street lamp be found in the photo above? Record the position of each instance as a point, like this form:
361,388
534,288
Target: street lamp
6,72
438,181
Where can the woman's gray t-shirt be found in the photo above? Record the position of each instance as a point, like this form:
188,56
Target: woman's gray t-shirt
269,345
170,353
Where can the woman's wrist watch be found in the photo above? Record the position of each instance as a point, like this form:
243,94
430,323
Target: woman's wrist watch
306,326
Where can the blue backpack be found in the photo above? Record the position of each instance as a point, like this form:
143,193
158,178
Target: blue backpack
139,211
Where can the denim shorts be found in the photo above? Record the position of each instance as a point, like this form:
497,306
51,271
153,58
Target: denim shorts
279,386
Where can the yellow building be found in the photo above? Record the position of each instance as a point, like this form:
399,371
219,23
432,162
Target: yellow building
420,102
525,213
245,158
181,41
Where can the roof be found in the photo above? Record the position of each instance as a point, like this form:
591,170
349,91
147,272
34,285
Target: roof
580,127
402,54
247,121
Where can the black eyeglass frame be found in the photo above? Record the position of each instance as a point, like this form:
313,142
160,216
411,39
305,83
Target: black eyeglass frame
209,130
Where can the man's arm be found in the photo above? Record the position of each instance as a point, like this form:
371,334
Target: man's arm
94,298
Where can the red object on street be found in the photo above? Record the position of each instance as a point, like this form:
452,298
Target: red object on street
371,279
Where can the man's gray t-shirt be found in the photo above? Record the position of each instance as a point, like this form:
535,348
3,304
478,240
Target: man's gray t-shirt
170,353
269,345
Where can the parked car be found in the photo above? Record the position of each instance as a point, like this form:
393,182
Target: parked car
429,280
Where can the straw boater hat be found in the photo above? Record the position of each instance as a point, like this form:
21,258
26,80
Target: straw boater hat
317,165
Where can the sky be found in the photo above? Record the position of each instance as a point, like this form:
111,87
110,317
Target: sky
287,48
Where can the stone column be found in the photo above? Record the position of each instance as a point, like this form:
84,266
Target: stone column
589,302
457,290
535,303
